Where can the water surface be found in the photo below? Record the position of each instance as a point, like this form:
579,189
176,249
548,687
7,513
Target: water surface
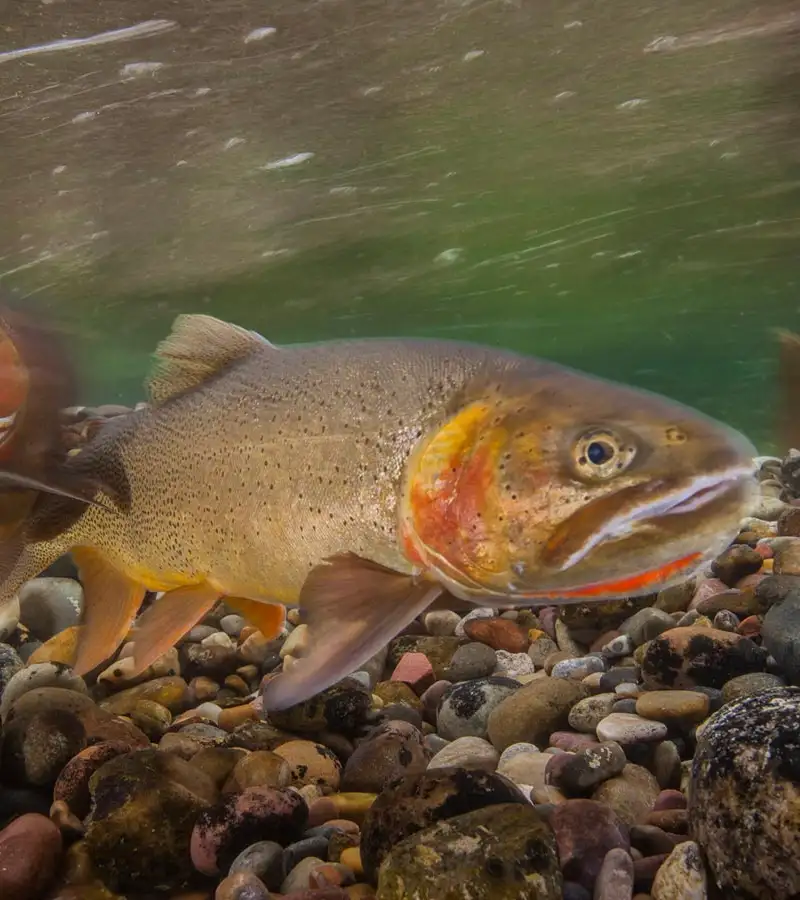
614,186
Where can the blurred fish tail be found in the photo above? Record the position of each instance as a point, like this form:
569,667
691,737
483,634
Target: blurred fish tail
40,495
788,425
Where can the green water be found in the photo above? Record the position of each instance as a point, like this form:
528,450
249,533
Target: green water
528,175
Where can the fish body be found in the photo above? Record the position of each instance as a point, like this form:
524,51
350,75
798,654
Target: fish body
364,479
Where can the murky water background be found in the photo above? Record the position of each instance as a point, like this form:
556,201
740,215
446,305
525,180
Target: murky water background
615,186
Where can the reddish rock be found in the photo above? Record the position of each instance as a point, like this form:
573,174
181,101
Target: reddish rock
670,799
256,814
499,634
644,871
750,627
675,821
707,588
30,848
585,832
415,670
572,741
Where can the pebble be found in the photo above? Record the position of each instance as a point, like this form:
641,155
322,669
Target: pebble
38,675
735,563
480,612
415,670
311,763
585,832
584,770
471,661
514,665
30,849
265,860
646,624
465,708
747,685
542,646
241,886
780,633
615,878
533,712
674,706
222,832
627,728
48,606
232,625
630,794
391,750
587,714
498,633
441,622
682,875
578,669
683,658
468,753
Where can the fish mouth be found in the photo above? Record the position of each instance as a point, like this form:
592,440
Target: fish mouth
652,504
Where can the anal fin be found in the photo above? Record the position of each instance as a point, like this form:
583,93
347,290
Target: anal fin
168,619
267,617
110,602
354,607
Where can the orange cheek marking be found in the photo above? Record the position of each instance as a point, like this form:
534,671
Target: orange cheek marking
447,516
623,586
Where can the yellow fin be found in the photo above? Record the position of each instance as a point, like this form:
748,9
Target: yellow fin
354,607
198,348
110,602
167,620
267,617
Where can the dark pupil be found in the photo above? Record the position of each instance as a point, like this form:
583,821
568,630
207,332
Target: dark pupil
598,453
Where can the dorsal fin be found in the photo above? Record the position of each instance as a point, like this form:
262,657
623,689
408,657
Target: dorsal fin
198,348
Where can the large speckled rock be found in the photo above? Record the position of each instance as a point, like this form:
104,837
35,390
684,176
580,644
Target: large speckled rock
464,709
144,806
503,852
744,796
533,712
72,784
418,801
683,658
342,708
391,750
311,764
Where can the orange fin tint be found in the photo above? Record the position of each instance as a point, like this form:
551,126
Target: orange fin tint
167,620
110,602
267,617
353,607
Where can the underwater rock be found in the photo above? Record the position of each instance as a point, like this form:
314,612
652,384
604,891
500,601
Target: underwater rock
438,650
418,801
674,707
582,771
501,852
30,849
48,606
466,753
464,709
311,763
499,634
263,859
585,831
239,820
36,748
342,708
744,800
533,712
631,794
261,768
391,750
144,807
170,691
39,675
780,634
10,664
682,875
241,886
686,657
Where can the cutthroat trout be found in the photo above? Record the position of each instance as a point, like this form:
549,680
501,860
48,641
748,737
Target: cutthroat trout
362,480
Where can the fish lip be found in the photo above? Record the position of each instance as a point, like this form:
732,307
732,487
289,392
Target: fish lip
700,491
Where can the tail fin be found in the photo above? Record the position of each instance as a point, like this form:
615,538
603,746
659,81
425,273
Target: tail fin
36,383
789,387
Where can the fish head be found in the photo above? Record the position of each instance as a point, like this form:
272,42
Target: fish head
552,485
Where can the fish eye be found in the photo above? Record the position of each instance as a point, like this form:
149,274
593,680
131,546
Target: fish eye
601,454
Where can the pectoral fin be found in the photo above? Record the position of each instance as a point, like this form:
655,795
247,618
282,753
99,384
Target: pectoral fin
354,607
267,617
169,617
110,602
